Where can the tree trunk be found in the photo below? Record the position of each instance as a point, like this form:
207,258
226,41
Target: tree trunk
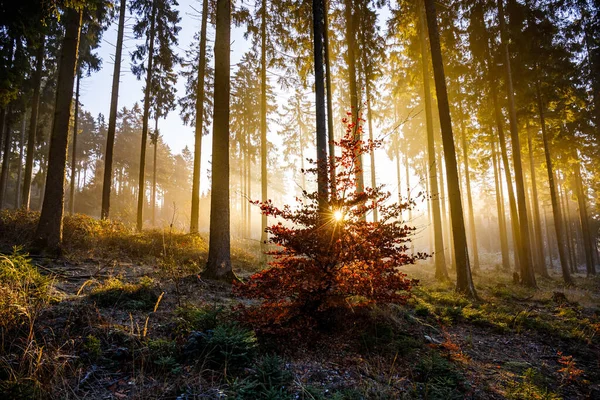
564,195
553,193
48,235
263,126
74,148
584,221
500,210
155,142
219,249
20,166
330,133
408,198
372,152
472,230
322,173
5,153
446,228
354,106
31,136
464,281
523,245
112,119
439,257
198,130
537,224
548,240
147,100
398,175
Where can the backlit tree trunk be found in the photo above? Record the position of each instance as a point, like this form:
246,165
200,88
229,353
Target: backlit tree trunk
48,235
584,221
500,209
142,176
74,148
354,106
537,225
263,125
439,257
107,182
523,245
219,249
553,193
464,281
329,93
198,129
322,174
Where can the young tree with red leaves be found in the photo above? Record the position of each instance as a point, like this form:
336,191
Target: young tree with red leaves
333,259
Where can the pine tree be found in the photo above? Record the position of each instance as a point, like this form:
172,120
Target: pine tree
107,183
48,234
464,281
157,21
219,250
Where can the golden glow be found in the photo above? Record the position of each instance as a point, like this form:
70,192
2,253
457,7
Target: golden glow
337,215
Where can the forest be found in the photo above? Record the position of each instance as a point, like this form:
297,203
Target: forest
277,200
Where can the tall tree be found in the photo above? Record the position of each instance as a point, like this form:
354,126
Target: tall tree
440,261
199,107
264,180
523,245
107,182
48,234
322,171
158,22
350,38
558,222
219,248
464,280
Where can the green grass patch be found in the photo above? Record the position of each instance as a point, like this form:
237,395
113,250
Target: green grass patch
132,296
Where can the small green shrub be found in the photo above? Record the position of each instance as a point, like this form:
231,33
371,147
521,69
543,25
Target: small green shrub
269,381
133,296
163,354
192,318
92,347
438,378
227,347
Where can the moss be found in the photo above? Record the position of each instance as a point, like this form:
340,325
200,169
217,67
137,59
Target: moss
133,296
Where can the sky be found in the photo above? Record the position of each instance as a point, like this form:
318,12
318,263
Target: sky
96,90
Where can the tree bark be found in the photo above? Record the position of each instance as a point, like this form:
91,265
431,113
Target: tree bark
48,235
464,281
147,101
537,224
219,249
5,154
439,257
20,166
155,142
500,209
322,173
523,245
112,119
198,129
472,230
553,193
263,126
329,93
74,148
31,135
584,221
566,212
354,106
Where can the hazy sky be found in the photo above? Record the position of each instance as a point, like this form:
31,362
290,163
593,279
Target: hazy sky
96,89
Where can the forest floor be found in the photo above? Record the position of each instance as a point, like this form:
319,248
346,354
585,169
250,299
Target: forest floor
126,316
